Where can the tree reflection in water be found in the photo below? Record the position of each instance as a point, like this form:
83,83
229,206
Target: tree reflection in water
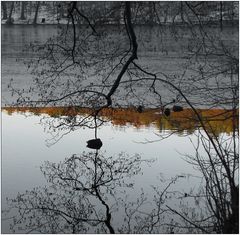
95,193
82,193
92,193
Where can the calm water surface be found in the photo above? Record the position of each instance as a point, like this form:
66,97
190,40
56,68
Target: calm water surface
24,147
158,50
24,150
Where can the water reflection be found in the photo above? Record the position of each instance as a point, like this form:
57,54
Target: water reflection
216,120
94,193
81,196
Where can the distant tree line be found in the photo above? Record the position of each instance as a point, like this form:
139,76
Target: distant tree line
28,11
109,12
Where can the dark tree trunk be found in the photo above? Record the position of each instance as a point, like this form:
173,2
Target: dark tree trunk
30,7
61,10
36,13
23,11
221,15
118,13
4,8
232,13
151,13
181,11
10,20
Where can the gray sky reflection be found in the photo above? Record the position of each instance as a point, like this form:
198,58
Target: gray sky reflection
24,150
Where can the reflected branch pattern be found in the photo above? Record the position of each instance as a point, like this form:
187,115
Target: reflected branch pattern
97,68
91,193
80,195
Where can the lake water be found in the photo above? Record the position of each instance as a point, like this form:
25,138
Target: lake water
159,50
25,150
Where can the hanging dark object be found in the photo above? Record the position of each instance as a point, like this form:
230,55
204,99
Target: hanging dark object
140,109
167,112
94,144
177,108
